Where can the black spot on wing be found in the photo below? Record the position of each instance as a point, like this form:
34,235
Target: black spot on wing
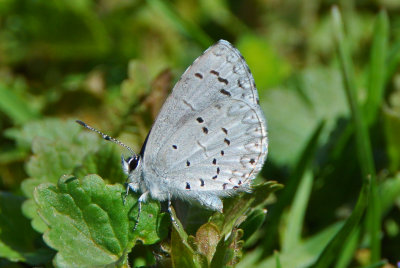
227,93
220,79
187,186
214,72
240,84
223,80
198,75
199,119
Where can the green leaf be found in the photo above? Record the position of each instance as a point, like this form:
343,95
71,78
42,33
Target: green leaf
378,264
377,68
295,219
58,148
253,222
349,248
53,158
18,242
302,255
50,161
153,225
49,128
277,259
184,250
29,209
88,223
207,238
389,191
392,60
182,254
105,163
15,107
217,243
391,116
286,197
236,209
229,250
331,250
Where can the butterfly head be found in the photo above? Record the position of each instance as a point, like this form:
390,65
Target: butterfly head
132,167
130,164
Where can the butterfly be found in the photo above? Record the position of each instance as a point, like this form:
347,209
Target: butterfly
209,139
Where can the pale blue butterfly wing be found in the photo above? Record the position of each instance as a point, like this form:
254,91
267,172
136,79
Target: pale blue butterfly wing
210,137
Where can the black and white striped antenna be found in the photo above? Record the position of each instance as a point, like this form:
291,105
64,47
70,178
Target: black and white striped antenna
106,137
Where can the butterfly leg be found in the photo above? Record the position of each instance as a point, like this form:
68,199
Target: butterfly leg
127,192
170,211
142,198
130,186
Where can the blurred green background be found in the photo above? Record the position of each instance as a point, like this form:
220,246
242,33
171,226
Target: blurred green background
332,103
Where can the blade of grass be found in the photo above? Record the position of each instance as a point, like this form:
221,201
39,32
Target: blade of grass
277,260
331,250
377,78
349,248
392,61
363,145
295,219
288,192
377,70
377,264
303,255
185,27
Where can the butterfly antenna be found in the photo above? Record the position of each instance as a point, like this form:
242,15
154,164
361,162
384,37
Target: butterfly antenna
106,137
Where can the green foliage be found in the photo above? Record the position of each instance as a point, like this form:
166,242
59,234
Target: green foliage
14,107
18,242
292,131
88,224
328,82
218,243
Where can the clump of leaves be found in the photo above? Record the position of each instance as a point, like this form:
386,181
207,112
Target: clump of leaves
89,225
84,217
218,243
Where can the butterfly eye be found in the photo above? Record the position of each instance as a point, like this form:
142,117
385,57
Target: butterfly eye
132,163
